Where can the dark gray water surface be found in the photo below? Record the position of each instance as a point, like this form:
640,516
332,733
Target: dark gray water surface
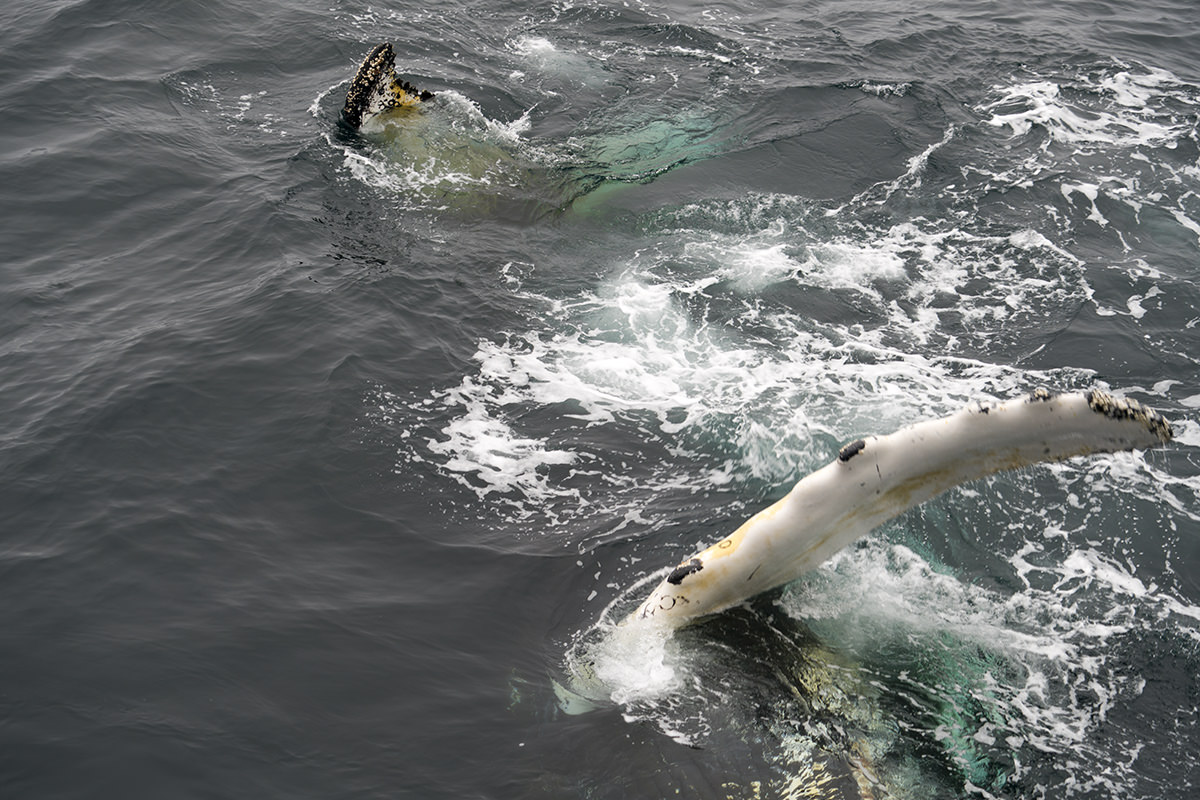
322,454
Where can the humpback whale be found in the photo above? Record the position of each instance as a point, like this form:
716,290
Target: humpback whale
446,155
872,480
876,478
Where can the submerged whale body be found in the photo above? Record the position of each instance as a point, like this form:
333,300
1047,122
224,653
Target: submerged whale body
443,152
877,478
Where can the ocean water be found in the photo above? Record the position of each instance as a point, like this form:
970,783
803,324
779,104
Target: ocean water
328,457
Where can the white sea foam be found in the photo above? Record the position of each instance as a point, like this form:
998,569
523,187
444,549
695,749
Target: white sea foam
1103,129
536,46
488,448
1116,110
539,54
641,346
884,89
652,359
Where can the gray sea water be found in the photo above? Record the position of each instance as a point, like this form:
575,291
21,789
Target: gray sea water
325,454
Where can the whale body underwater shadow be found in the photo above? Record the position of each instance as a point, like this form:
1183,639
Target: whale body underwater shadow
441,152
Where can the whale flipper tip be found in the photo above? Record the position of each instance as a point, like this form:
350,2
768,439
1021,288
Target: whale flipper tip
376,88
1123,408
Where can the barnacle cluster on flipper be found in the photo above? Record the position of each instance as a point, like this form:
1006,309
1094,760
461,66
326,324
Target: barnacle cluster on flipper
376,88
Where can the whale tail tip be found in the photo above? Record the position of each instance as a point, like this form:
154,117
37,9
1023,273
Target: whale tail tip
376,88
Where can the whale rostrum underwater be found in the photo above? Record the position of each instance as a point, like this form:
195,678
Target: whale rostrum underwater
872,480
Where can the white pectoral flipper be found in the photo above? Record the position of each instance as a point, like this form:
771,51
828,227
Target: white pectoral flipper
879,477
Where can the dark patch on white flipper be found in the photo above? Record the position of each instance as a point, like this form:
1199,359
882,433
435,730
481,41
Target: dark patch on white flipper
683,570
1122,408
851,450
376,88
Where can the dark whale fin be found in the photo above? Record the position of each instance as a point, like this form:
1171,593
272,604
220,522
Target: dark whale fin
376,88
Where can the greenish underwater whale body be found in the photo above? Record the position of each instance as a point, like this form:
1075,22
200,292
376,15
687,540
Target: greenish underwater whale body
445,154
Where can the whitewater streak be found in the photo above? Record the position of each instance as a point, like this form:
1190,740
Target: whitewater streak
877,478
